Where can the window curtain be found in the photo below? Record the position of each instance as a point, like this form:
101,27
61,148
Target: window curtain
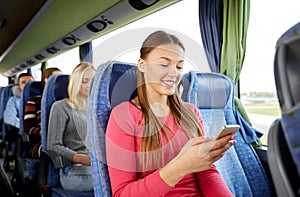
210,19
86,52
44,66
235,25
223,26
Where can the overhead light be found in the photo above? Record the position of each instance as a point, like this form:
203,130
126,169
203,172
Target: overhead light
2,22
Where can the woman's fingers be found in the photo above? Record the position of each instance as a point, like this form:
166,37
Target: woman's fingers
204,151
224,141
215,149
216,154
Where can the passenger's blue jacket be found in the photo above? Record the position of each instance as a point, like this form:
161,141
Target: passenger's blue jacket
11,112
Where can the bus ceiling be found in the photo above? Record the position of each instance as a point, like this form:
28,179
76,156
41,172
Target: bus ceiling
33,31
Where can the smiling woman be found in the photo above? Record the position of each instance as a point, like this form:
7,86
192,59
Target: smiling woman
162,135
37,34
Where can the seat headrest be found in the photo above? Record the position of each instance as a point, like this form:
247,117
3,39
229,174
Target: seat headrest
123,83
32,89
56,89
287,71
5,95
292,32
210,90
61,82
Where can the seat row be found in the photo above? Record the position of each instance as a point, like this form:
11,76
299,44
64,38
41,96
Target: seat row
212,93
115,82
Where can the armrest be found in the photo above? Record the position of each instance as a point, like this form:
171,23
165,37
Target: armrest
47,157
55,158
22,144
49,164
282,167
24,136
43,169
261,152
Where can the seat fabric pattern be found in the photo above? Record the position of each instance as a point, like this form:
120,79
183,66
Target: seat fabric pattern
30,90
114,82
56,89
5,95
240,167
291,126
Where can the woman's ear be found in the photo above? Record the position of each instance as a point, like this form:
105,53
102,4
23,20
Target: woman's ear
141,65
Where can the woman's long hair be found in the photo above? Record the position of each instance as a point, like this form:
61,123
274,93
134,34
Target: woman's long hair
151,155
76,100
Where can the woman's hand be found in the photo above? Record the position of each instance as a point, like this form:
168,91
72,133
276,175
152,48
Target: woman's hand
197,155
82,159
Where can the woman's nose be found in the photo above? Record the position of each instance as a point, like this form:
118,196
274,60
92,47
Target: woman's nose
173,71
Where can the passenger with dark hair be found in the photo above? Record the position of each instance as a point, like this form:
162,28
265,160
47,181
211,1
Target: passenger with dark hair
155,143
11,114
67,131
32,120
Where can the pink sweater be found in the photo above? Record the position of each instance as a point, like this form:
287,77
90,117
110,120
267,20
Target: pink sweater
123,141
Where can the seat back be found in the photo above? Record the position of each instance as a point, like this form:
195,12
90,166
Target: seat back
284,133
5,96
287,78
114,82
55,89
240,167
1,121
30,90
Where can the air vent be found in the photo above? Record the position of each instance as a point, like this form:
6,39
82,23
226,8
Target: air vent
142,4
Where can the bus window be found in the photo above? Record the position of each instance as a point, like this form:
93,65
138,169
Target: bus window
66,61
257,84
36,72
123,37
3,81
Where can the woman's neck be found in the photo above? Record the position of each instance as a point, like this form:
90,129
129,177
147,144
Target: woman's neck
159,109
159,105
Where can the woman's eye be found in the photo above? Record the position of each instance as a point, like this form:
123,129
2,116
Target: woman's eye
179,67
164,65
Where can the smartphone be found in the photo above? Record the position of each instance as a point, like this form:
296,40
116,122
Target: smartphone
227,130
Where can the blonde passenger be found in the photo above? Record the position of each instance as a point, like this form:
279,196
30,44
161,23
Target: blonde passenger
67,131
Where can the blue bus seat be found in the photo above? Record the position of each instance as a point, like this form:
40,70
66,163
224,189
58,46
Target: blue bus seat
240,167
114,82
1,122
5,95
1,90
284,136
55,89
30,90
8,143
